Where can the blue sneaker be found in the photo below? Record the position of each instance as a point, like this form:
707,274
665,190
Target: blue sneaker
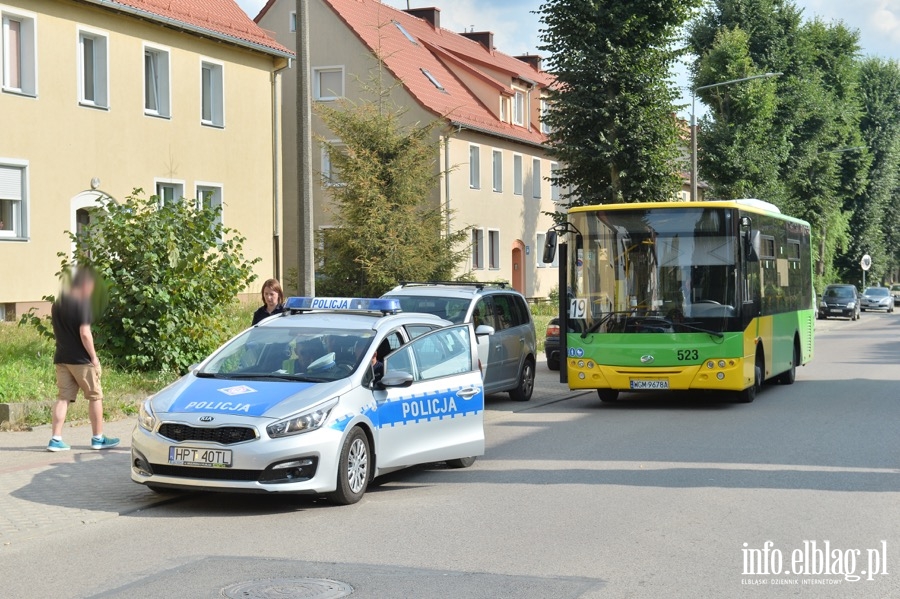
57,446
103,442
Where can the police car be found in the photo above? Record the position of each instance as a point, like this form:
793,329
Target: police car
320,399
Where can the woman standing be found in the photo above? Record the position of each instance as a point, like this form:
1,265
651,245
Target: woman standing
273,298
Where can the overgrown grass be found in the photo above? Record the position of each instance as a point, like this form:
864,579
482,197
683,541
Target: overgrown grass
27,374
542,314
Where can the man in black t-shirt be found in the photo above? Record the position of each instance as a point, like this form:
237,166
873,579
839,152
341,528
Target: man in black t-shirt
77,365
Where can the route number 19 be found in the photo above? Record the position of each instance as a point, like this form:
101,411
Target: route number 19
578,308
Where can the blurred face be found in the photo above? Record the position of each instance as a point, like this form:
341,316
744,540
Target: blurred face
271,297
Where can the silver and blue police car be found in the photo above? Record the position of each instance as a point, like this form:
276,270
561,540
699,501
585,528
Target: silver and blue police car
320,399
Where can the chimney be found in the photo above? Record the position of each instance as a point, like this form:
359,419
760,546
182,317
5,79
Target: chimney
485,38
531,59
431,14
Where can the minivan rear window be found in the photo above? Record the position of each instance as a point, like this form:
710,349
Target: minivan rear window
448,308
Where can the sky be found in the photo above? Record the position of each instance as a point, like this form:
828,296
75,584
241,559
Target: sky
517,29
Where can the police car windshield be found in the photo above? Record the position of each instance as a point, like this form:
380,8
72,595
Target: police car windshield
449,308
291,354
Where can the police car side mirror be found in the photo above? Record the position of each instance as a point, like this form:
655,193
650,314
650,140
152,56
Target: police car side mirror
193,368
484,331
396,379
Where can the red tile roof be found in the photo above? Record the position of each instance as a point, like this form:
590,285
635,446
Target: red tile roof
437,51
222,19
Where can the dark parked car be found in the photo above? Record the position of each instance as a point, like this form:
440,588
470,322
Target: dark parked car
895,291
551,344
840,300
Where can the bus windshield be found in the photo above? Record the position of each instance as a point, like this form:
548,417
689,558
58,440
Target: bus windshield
656,270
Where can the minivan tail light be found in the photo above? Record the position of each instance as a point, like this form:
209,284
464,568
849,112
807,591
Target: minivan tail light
553,330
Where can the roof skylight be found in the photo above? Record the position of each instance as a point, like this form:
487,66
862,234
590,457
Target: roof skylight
405,33
434,80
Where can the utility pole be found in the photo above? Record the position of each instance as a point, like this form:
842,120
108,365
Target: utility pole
306,227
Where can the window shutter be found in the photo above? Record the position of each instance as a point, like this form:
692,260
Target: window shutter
10,183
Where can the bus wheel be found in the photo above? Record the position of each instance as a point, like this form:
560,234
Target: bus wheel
608,395
749,394
789,376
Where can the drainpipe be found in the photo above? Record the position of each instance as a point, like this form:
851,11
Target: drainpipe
276,172
447,180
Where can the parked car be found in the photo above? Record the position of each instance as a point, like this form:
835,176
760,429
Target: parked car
877,298
840,300
551,344
320,399
895,292
507,345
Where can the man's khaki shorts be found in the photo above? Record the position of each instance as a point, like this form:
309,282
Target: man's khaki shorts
72,377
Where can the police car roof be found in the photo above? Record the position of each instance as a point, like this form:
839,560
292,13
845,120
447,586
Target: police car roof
351,320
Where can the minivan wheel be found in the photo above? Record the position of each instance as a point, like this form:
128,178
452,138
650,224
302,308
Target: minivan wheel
525,388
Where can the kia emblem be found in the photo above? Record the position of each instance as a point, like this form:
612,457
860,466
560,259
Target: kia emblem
647,359
206,419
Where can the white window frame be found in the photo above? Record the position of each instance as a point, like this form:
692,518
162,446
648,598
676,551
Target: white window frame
474,166
519,111
321,95
164,80
497,170
292,21
175,183
545,128
102,87
539,241
21,230
217,188
537,179
504,109
493,249
326,167
217,109
477,248
519,178
28,61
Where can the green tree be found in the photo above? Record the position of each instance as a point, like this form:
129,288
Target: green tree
812,121
384,173
873,224
612,109
169,271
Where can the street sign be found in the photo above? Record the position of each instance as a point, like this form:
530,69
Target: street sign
866,262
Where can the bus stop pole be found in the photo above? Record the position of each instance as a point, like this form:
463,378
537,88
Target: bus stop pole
564,313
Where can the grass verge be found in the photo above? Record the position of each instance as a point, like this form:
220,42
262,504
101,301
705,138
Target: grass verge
27,374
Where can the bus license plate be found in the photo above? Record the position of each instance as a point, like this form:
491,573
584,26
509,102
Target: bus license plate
649,384
198,457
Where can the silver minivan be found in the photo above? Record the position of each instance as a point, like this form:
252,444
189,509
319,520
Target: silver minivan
507,343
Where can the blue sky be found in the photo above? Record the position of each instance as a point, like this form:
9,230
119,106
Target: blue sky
516,27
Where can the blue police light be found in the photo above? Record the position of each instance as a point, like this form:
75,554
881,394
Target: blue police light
345,304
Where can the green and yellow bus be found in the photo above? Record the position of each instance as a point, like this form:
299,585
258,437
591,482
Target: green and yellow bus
684,296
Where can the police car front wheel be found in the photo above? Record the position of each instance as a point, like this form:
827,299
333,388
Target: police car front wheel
461,462
353,469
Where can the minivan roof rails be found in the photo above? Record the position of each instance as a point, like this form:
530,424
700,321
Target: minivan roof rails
476,284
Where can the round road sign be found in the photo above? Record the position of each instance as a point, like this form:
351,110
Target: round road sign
866,262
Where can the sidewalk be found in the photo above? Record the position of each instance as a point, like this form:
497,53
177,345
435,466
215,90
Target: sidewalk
42,492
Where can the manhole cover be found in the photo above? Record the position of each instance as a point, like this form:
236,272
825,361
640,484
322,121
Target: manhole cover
288,588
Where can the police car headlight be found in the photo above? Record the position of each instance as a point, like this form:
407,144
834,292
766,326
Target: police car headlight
301,423
146,419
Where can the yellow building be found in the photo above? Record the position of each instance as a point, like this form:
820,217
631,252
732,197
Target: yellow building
101,96
499,184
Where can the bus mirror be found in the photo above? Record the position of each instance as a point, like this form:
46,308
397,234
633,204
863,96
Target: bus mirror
754,245
550,247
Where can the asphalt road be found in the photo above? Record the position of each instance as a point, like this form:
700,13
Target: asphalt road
655,496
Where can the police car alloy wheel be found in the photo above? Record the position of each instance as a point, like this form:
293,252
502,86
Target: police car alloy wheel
353,469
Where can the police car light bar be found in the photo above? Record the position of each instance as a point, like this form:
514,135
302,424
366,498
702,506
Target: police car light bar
342,304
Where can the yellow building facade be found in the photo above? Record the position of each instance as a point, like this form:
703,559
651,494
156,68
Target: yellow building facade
98,100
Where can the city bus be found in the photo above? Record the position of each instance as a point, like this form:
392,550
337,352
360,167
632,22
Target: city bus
713,296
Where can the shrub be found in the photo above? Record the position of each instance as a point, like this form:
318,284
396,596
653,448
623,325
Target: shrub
169,272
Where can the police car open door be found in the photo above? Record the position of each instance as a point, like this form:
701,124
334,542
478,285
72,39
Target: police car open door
438,413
